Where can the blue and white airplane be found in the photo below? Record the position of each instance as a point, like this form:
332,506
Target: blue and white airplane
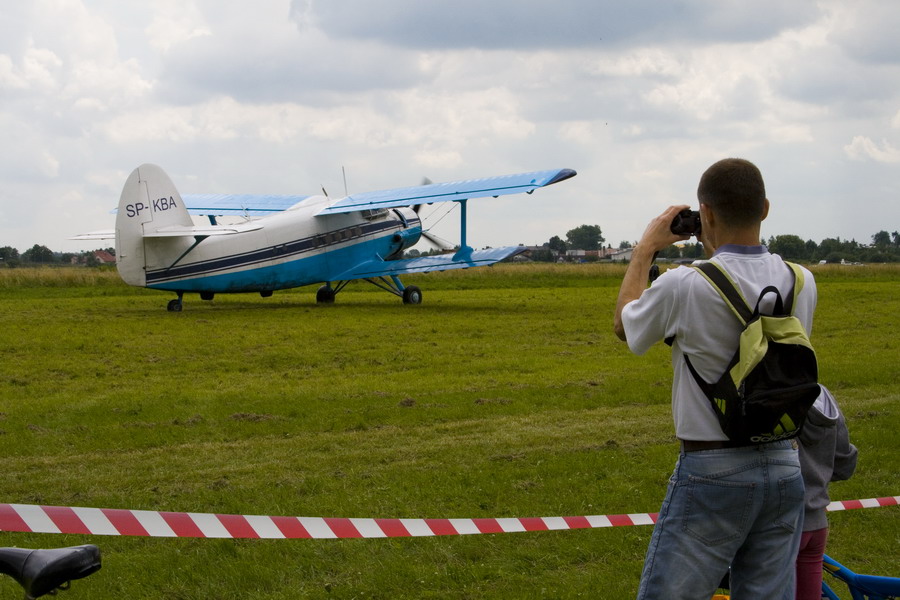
290,241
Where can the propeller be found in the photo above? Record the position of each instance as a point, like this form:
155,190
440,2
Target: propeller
438,242
417,207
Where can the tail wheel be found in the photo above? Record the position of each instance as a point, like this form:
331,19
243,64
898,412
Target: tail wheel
412,295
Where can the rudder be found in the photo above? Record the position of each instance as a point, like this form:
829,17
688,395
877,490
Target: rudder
149,202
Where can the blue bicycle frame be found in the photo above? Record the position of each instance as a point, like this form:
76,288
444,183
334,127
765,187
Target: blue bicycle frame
862,587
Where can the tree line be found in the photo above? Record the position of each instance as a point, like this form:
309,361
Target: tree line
885,247
42,255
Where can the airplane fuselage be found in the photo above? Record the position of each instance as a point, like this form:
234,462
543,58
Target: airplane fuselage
290,249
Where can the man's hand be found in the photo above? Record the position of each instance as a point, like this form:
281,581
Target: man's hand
657,236
658,233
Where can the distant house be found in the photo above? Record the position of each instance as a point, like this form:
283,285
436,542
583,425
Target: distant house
540,253
622,255
104,257
567,256
582,255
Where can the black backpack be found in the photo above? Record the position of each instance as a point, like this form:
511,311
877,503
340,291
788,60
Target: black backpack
772,379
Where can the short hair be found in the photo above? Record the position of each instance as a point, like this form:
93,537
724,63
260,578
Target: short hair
734,189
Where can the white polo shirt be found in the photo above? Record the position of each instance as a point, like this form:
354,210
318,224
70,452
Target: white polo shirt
683,304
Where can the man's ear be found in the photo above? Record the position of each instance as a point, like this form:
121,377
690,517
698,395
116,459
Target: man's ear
707,214
707,237
765,212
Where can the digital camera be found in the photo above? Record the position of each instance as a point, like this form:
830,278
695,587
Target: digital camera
687,222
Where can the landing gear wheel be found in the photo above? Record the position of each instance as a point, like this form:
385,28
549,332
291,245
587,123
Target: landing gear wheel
207,295
174,305
325,295
412,295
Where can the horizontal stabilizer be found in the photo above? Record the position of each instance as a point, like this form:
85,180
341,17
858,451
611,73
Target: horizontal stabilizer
181,231
95,235
245,205
463,259
452,191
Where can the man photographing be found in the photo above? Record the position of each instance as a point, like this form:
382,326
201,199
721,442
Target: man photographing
728,503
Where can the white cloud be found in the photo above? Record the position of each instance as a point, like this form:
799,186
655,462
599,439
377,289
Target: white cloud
172,124
174,22
867,30
863,147
580,132
438,158
71,29
655,62
41,67
38,69
49,164
11,77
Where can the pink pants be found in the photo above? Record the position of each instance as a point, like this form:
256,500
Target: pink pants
809,564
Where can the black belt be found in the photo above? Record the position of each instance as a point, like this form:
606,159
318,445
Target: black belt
697,446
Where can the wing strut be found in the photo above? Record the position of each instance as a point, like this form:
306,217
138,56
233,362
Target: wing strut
463,247
465,251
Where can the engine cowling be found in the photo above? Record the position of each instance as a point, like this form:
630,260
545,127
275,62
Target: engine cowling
409,235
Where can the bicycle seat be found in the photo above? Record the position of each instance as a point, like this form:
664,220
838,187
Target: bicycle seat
40,572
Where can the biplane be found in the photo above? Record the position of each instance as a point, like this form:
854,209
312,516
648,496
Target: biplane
281,242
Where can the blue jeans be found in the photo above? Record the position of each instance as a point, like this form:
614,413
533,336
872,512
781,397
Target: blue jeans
737,507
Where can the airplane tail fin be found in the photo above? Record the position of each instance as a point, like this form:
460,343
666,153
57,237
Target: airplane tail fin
149,202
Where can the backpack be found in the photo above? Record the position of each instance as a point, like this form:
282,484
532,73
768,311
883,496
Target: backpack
772,379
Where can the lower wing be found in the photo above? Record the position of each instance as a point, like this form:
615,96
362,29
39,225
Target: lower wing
463,259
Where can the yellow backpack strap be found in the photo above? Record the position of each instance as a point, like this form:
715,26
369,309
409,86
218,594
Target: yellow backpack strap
722,283
798,285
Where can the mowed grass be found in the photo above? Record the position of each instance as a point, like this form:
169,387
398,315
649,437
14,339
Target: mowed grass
504,395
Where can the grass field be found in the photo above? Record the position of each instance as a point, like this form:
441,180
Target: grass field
505,394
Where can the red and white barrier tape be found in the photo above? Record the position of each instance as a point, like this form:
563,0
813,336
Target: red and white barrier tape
106,521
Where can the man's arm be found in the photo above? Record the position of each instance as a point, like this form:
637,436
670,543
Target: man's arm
633,284
657,236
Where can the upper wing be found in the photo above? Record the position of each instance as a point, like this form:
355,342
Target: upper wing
246,205
461,260
443,192
261,205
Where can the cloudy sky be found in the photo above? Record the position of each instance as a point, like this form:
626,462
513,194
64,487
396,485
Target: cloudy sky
277,96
